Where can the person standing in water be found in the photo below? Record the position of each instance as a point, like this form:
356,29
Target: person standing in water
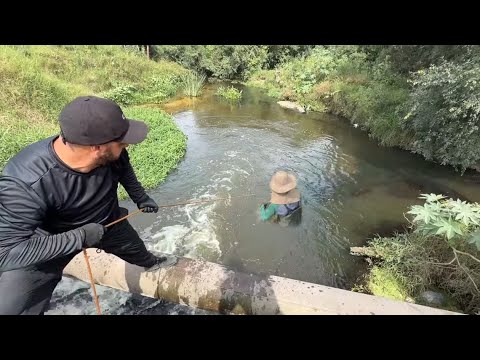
285,206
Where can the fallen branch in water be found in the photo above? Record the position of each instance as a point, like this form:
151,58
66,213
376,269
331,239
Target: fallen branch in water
363,251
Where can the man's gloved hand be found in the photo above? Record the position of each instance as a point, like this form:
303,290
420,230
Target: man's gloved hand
148,204
93,234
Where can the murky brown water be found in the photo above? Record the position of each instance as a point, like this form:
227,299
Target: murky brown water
351,188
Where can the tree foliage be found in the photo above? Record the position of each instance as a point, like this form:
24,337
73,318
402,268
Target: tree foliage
444,113
229,61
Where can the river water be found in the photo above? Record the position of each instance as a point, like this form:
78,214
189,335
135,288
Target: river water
351,189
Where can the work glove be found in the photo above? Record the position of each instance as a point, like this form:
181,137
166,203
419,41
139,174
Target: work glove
147,204
93,234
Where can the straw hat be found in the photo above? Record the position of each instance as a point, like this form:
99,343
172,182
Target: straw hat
283,186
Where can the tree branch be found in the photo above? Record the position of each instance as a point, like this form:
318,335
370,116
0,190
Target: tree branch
442,264
408,220
464,253
465,270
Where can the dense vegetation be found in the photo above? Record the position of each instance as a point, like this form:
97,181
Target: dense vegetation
421,98
439,252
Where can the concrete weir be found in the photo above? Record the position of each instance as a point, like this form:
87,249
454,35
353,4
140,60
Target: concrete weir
214,287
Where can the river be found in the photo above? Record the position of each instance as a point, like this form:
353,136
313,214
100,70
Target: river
351,188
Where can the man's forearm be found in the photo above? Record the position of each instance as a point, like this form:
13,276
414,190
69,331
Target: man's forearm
38,249
131,184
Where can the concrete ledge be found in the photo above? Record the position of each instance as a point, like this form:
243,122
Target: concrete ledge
214,287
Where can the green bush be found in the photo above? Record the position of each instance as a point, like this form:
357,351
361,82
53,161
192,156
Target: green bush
440,252
122,94
410,58
229,93
444,113
219,61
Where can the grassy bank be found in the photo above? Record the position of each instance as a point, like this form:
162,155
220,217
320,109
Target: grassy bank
419,98
160,152
340,80
37,81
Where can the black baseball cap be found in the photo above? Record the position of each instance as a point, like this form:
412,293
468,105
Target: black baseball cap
91,120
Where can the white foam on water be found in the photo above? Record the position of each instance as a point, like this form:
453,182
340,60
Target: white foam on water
240,171
195,239
196,236
231,153
166,240
81,302
192,235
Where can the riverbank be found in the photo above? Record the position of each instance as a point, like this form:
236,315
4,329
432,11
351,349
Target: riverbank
425,106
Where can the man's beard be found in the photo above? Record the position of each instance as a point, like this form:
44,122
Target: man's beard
105,159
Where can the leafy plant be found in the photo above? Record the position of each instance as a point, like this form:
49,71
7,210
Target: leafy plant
219,61
454,220
438,253
123,94
230,93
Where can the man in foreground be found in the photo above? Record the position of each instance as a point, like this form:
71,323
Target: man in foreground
57,194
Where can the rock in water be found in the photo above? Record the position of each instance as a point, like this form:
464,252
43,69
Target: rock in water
433,298
292,106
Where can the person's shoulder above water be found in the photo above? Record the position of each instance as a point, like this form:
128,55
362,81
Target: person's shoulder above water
32,162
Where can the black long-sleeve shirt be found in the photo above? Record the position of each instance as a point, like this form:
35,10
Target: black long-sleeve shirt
43,202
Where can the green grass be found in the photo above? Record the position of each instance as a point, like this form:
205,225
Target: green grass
374,106
328,82
383,282
37,81
193,84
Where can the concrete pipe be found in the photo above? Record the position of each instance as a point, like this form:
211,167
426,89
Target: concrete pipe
214,287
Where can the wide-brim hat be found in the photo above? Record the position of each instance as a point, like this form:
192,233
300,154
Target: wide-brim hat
283,186
282,182
286,198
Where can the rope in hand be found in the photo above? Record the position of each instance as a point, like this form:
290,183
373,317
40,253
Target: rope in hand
92,281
